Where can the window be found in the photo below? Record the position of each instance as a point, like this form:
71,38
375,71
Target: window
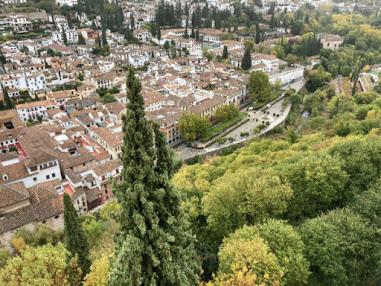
53,175
5,177
47,177
34,179
56,216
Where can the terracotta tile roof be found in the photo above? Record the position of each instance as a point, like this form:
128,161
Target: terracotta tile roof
44,203
13,194
107,167
13,172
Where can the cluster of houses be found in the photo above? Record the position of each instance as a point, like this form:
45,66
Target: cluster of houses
62,136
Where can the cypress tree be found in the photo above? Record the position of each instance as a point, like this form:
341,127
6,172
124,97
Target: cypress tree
186,36
225,53
132,22
246,60
158,33
75,239
8,101
64,37
3,60
153,246
257,34
104,37
98,42
81,39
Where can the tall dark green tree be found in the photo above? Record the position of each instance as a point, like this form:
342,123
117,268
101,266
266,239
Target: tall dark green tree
104,36
81,39
246,60
132,21
225,53
257,34
153,246
7,100
64,37
75,238
158,33
3,59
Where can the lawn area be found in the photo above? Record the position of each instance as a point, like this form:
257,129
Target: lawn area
274,95
221,126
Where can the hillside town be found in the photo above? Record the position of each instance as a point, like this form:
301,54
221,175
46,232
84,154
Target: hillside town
64,132
214,75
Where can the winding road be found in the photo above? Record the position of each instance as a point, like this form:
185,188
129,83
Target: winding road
274,115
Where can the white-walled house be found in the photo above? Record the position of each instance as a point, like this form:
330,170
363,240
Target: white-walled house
38,168
34,110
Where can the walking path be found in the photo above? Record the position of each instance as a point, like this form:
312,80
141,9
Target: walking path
275,115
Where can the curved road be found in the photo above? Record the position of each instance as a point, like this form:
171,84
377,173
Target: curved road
275,115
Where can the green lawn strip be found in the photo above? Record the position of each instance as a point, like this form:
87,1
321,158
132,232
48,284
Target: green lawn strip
221,126
259,105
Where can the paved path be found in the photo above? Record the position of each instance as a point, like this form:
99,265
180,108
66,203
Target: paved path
275,115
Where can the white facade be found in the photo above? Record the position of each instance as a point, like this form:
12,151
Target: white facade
41,173
287,76
66,2
138,60
71,36
33,110
24,81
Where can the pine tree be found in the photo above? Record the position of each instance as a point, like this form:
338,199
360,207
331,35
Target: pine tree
225,53
197,35
153,246
75,239
246,60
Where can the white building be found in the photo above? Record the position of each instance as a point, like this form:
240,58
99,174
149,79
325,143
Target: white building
287,76
143,35
66,2
266,63
31,81
71,36
34,110
138,60
39,168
